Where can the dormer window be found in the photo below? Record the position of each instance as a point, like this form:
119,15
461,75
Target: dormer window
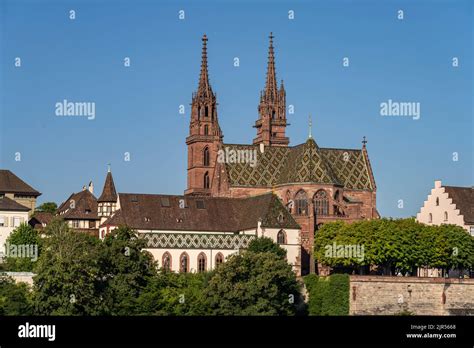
281,218
147,219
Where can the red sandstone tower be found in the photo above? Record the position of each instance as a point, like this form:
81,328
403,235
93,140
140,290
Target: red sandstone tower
205,135
271,123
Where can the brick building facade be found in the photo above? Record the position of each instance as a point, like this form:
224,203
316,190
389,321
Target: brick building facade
316,184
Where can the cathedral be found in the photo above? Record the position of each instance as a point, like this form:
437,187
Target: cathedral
237,192
315,184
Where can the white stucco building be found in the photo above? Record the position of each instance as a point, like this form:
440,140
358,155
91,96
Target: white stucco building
12,214
195,233
449,205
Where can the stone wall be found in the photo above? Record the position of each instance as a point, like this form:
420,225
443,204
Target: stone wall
379,295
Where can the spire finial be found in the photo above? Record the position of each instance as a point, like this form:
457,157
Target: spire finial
364,141
310,125
108,167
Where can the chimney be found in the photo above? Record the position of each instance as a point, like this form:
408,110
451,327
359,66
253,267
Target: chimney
91,187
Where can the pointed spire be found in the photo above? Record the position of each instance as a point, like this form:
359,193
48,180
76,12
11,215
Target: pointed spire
271,83
109,194
204,88
282,86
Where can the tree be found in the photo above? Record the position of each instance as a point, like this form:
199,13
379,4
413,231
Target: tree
14,298
68,280
126,269
265,244
171,293
47,207
394,246
253,284
24,248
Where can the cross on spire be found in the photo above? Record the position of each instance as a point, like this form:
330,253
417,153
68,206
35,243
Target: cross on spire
310,126
364,141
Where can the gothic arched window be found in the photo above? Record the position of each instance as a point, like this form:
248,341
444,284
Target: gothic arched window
219,259
437,200
206,180
321,203
206,156
206,129
199,112
206,114
281,237
201,262
301,203
166,261
184,263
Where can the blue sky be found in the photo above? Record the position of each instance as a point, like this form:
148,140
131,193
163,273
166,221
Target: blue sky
407,60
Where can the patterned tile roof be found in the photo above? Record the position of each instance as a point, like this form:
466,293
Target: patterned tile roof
304,163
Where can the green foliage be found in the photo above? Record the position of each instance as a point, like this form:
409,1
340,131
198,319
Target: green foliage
171,293
398,245
14,297
23,236
47,207
253,284
265,244
68,273
126,270
328,295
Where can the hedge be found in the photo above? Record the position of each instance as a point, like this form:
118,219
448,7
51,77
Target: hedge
328,295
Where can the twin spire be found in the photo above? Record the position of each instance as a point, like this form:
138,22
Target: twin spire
271,123
271,89
204,88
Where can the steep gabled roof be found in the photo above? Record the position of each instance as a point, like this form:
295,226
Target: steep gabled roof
306,162
7,204
463,197
80,205
191,213
10,183
109,194
40,218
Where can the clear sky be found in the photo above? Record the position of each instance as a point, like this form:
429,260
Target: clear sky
137,107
